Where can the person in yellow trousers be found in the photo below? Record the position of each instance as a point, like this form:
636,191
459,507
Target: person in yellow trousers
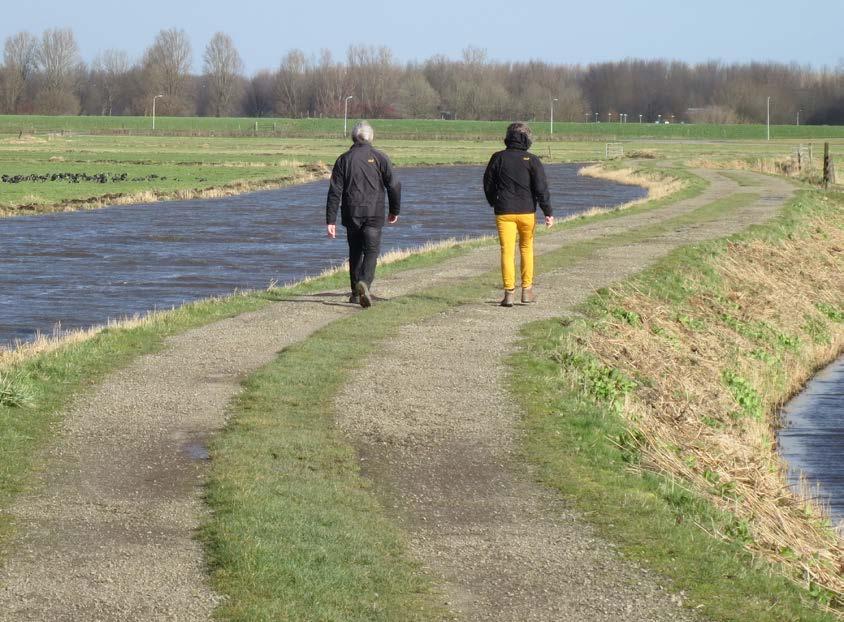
514,184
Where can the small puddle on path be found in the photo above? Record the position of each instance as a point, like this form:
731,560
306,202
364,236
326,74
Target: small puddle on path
196,450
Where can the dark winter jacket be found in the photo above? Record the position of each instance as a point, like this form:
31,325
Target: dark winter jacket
514,181
357,187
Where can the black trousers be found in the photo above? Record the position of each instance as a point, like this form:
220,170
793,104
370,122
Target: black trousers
364,247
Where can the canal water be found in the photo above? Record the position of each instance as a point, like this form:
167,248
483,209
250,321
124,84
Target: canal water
812,438
78,269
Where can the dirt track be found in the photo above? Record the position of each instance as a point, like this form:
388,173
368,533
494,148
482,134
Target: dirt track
108,532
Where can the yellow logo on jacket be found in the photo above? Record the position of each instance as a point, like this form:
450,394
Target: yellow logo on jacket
371,160
526,159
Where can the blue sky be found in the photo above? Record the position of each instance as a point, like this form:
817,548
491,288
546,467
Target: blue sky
556,31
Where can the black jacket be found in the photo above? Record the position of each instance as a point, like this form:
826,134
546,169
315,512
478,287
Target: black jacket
514,181
357,187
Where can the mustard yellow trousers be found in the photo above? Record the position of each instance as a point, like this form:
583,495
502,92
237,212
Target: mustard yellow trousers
510,228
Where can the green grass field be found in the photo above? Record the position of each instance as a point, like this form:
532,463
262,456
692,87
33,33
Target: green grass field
407,128
191,164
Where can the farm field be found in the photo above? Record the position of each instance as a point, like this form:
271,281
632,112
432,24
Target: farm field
406,128
45,171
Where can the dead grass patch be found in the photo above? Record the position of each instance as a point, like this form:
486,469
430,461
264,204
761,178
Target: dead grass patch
658,184
786,166
25,139
642,154
23,351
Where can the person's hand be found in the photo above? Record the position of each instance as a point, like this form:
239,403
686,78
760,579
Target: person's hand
549,221
331,230
392,218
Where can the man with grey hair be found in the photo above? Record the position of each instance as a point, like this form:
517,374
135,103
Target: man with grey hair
357,188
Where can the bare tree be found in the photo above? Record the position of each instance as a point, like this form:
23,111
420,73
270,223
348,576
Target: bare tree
416,97
223,69
108,73
167,67
330,85
372,74
258,101
19,62
292,84
58,59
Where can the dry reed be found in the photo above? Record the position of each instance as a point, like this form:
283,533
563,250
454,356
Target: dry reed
697,429
658,184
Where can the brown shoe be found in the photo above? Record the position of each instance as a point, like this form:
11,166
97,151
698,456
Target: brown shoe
509,298
528,295
364,296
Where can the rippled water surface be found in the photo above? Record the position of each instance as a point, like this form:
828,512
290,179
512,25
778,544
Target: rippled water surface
812,439
82,268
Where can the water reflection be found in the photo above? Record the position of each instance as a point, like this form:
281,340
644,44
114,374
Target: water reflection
812,439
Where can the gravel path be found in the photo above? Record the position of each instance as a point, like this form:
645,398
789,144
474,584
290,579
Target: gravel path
108,531
440,441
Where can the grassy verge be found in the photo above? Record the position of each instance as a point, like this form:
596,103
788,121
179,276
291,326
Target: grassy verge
296,533
653,413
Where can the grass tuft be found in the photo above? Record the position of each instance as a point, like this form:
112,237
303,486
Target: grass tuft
15,390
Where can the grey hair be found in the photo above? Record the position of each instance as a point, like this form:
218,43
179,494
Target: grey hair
362,132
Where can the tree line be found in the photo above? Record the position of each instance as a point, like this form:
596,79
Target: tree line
46,75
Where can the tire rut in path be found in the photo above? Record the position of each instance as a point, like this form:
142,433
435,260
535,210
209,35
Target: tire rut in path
108,531
436,431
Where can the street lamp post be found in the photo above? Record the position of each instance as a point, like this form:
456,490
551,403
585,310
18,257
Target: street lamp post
587,116
153,109
768,117
640,119
596,117
798,115
553,99
346,113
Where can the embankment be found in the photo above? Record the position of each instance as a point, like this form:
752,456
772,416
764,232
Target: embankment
686,366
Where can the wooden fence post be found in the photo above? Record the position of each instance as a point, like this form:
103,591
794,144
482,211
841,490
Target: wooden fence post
828,167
